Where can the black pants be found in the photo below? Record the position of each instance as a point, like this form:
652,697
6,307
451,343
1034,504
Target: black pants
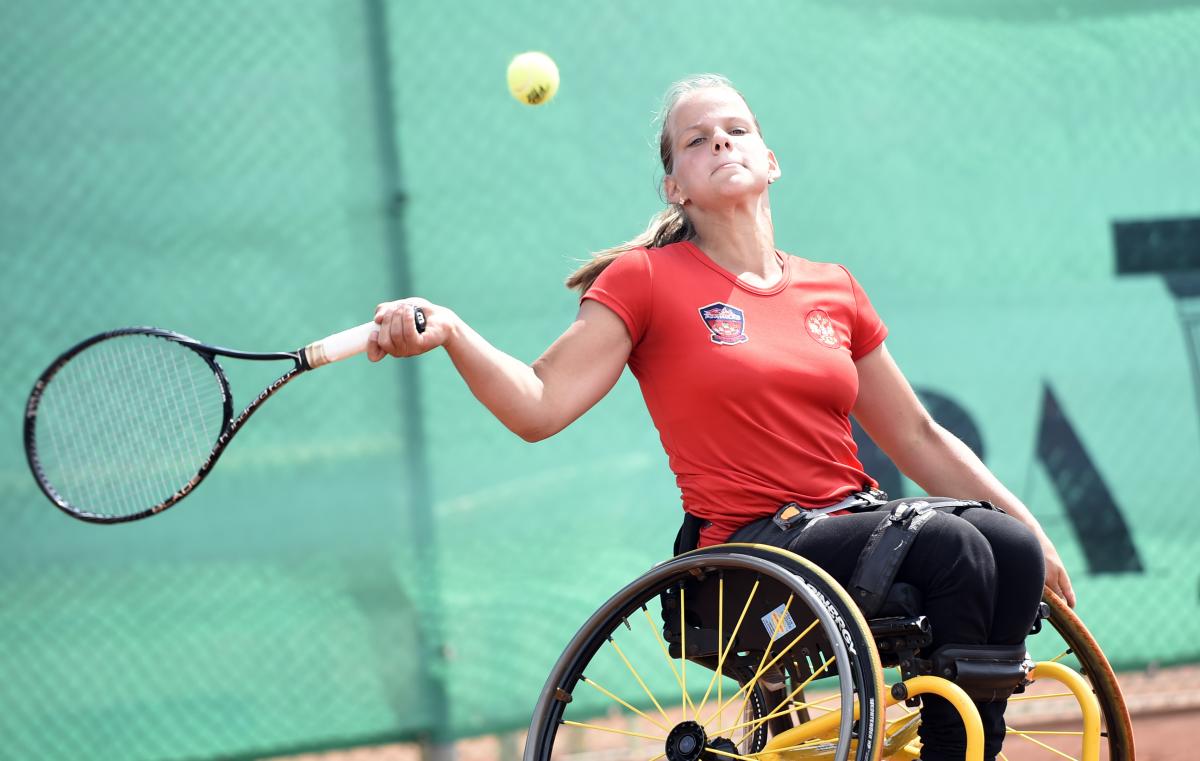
980,573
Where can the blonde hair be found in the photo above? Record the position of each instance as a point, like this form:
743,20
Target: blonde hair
671,225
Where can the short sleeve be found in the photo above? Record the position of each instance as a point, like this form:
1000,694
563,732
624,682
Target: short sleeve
868,331
624,287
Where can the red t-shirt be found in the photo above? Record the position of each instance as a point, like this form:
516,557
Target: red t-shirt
750,388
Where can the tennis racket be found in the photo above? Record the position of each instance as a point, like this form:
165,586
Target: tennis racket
127,423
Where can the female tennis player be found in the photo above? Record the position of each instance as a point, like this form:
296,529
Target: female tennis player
751,362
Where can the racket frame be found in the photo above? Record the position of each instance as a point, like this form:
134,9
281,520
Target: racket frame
229,424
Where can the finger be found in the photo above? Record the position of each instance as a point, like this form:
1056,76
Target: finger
385,332
408,327
374,353
1068,591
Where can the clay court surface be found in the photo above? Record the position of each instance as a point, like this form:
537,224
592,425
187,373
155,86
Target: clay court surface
1164,703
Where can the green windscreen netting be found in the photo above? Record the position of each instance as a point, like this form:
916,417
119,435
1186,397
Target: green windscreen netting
377,558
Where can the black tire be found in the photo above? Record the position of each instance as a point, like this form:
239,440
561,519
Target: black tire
691,584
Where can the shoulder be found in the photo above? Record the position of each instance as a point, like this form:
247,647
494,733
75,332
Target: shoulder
829,274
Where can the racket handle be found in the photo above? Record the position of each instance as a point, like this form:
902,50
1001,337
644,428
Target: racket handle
346,344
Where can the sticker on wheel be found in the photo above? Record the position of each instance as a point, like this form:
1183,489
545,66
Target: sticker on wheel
778,623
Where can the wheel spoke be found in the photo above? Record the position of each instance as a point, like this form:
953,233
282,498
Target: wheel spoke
638,677
784,706
613,730
1036,741
684,699
787,607
726,754
716,677
1045,696
732,638
750,682
663,647
596,686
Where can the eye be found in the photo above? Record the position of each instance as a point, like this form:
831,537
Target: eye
739,131
695,141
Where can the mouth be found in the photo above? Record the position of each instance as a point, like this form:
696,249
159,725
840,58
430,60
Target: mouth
726,165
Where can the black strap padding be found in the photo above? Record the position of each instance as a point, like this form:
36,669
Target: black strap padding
987,673
885,550
887,547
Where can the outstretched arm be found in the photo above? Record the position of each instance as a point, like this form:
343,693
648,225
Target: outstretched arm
533,401
890,412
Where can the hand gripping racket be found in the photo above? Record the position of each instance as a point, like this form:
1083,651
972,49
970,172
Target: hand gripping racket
127,423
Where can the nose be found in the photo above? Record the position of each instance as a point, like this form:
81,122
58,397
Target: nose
721,141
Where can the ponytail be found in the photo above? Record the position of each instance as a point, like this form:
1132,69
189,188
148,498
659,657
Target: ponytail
669,226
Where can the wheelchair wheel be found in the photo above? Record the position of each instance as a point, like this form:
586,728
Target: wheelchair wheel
759,626
1034,718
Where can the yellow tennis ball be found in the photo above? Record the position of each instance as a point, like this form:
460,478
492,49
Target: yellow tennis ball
532,78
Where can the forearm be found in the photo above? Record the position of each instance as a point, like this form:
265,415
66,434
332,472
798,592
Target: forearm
509,388
941,464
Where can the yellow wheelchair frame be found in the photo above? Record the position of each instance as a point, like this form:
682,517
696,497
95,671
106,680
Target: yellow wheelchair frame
600,703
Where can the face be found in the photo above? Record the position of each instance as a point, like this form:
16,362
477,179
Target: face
718,154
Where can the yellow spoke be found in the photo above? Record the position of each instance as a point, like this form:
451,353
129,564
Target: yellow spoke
614,731
1002,756
1046,696
596,686
732,638
1051,732
1060,656
819,704
1035,741
726,754
638,677
683,659
784,706
776,752
787,607
663,647
750,682
716,677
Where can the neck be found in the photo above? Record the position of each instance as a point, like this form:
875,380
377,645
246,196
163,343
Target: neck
741,240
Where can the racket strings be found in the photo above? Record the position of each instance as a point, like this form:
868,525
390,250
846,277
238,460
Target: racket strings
127,423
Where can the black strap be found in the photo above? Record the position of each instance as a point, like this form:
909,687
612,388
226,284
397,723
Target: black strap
688,537
889,544
880,559
988,673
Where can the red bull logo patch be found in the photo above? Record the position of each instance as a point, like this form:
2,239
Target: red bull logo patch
726,324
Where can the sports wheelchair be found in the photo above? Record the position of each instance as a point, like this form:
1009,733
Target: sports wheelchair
742,651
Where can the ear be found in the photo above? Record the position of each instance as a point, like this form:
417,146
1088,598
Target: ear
773,170
671,188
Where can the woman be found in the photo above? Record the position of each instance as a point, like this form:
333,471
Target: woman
750,362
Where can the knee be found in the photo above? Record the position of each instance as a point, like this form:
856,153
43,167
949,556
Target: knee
1017,550
961,548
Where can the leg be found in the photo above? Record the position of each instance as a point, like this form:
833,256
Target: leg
1020,574
950,562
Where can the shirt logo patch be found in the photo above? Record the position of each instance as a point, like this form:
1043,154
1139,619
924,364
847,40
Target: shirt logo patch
820,327
726,324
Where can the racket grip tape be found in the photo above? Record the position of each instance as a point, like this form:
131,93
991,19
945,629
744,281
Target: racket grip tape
346,344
